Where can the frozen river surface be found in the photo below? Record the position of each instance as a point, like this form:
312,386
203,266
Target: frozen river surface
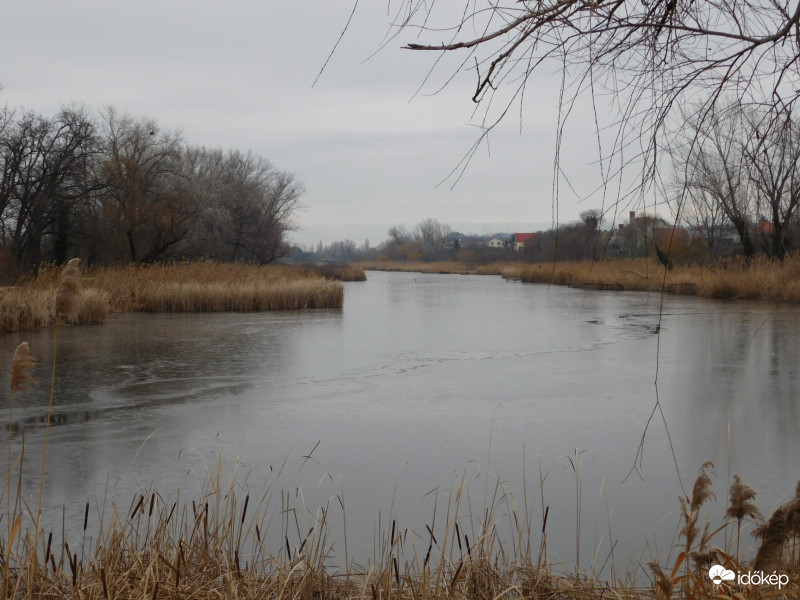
420,383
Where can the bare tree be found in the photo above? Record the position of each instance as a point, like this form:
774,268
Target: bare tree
714,171
431,234
44,164
704,219
247,206
773,157
146,198
646,57
399,235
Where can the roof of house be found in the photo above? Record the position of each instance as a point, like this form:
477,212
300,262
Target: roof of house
522,237
765,227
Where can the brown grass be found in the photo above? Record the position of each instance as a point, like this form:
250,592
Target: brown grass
337,271
440,267
92,295
761,279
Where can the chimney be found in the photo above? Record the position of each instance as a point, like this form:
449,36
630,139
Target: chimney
633,215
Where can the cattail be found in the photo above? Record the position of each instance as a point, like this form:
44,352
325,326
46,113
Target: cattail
68,291
21,365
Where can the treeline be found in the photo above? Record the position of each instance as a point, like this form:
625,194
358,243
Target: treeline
431,240
428,240
111,189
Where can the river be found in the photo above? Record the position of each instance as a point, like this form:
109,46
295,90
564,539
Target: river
422,383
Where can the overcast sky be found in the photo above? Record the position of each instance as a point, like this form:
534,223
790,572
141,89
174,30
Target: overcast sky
369,152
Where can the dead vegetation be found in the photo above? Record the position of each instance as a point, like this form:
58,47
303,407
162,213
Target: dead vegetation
92,295
759,279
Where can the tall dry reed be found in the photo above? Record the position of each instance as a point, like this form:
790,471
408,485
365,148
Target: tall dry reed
89,297
761,278
235,541
447,267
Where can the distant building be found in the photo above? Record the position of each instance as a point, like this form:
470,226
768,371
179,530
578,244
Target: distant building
496,242
765,228
520,239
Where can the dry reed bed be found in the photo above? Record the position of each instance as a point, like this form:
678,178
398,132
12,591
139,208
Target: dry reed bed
337,271
181,287
440,267
761,279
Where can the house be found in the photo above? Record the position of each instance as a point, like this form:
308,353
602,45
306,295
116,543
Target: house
496,242
635,237
765,228
520,239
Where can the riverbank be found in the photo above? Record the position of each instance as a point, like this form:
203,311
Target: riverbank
177,287
761,279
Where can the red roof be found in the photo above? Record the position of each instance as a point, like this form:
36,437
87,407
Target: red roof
523,237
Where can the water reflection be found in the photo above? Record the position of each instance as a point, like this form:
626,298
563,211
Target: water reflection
419,382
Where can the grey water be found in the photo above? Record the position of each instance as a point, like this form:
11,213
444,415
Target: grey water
597,407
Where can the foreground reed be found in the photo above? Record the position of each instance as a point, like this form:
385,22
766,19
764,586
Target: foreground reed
180,287
234,542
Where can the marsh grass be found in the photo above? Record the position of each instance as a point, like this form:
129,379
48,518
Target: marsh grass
337,271
759,279
450,267
762,278
180,287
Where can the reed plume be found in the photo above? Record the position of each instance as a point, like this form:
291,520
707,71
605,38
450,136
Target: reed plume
21,366
690,508
663,584
741,507
785,521
66,305
702,487
704,557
